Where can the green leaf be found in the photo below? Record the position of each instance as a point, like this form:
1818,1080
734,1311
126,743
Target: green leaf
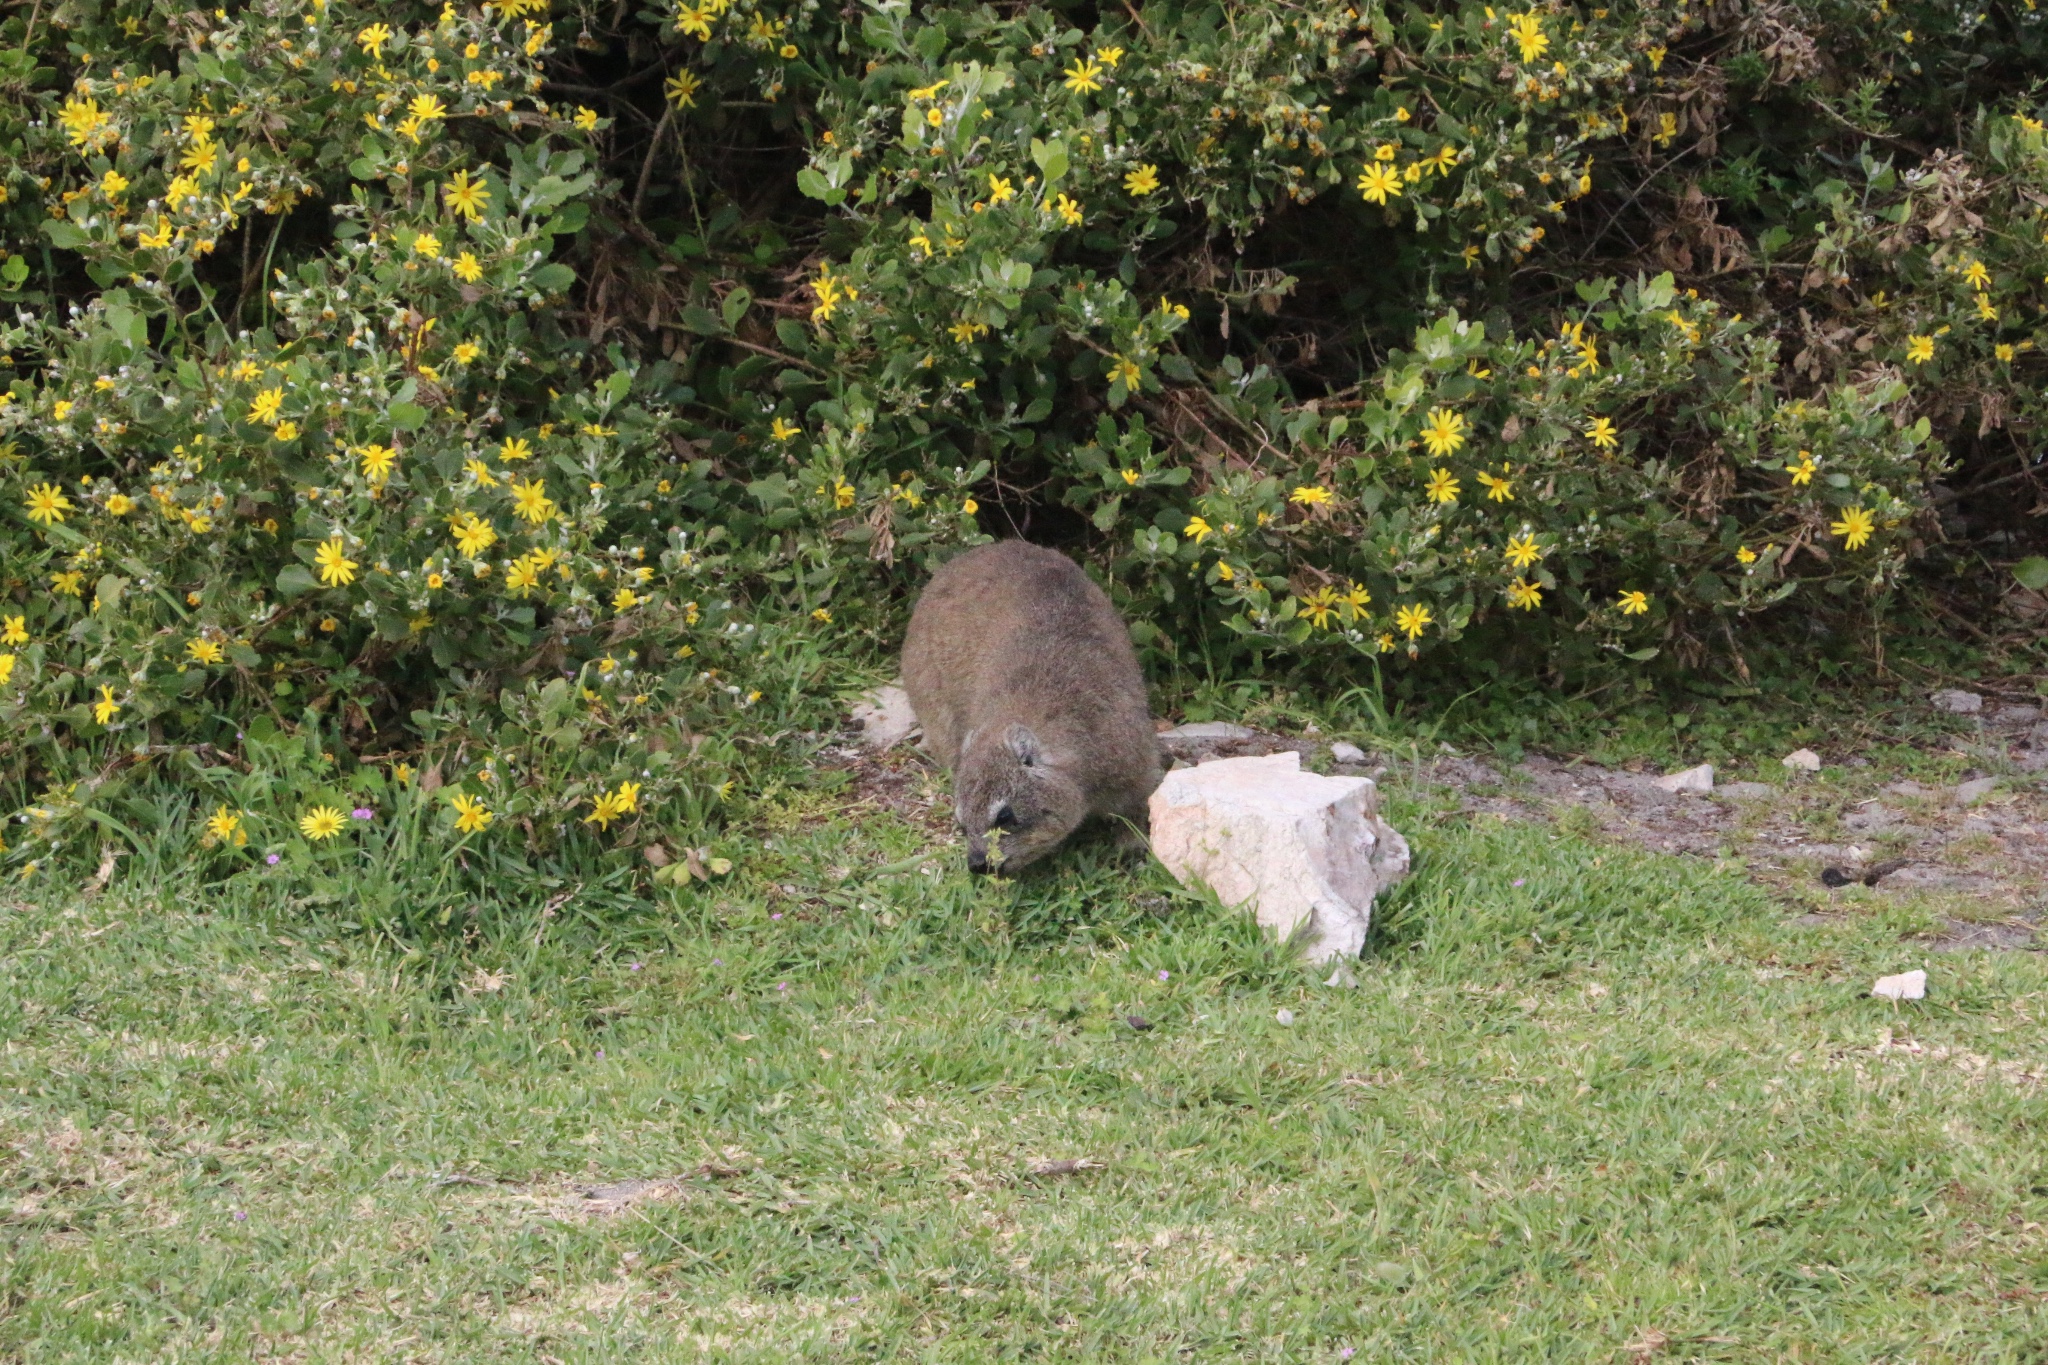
408,416
296,580
701,320
735,306
1051,158
813,183
569,221
2032,572
553,278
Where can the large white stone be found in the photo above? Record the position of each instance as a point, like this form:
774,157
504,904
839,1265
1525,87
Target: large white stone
1207,730
1306,854
885,717
1700,779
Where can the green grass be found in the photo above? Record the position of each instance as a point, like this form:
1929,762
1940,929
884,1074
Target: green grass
1624,1102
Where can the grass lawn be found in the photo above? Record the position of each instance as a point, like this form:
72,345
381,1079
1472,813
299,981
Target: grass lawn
1584,1104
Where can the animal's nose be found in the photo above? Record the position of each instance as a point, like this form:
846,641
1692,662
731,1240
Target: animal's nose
977,864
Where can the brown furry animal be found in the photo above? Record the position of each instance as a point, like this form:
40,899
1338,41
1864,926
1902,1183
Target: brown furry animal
1030,694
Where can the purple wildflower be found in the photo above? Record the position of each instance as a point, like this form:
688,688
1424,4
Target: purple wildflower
1518,881
362,813
272,860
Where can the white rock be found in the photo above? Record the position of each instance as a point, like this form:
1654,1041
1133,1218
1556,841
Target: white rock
1344,751
1209,729
885,717
1306,854
1957,702
1700,779
1803,760
1970,793
1905,986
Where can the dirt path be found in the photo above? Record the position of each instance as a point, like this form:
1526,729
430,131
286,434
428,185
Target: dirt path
1973,852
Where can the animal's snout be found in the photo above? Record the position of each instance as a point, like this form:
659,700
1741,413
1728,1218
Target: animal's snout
977,863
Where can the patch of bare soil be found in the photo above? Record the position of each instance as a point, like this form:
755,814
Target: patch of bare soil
1974,852
902,781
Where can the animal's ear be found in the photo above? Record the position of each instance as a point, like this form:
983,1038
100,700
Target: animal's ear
1023,744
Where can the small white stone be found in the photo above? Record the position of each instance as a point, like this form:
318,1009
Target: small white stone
1303,852
885,717
1344,751
1803,760
1905,986
1284,1018
1700,779
1957,702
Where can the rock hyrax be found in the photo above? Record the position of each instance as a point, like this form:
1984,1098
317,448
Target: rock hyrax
1024,679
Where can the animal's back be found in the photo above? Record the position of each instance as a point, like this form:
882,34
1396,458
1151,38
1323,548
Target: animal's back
1016,631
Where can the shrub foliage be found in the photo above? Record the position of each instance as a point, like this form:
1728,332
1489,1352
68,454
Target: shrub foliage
489,405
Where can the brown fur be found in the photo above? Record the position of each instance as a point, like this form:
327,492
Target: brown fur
1024,679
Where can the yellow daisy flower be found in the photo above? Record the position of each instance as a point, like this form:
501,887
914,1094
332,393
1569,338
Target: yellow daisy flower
337,570
1855,527
1444,432
321,822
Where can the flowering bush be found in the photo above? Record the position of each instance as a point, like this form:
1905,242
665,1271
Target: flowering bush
369,465
406,408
